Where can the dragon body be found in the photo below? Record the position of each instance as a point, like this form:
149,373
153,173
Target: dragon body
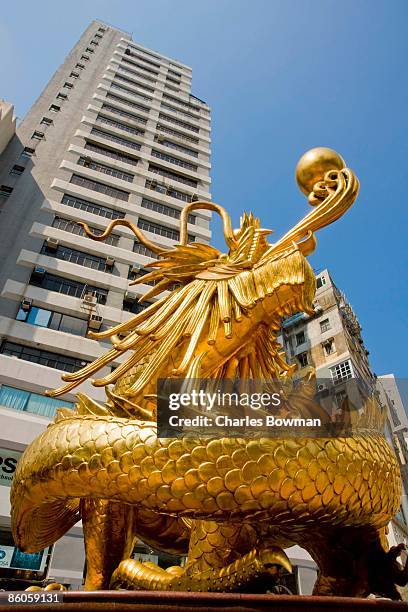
230,504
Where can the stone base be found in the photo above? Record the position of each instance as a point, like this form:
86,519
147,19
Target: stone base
149,601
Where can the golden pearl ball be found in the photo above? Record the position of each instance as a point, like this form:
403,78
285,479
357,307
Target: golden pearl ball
314,164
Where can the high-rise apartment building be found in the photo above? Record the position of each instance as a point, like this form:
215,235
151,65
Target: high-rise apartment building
115,134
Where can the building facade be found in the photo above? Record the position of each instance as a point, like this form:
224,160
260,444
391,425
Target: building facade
115,134
7,124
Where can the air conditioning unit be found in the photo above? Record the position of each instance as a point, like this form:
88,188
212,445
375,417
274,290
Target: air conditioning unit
194,198
95,322
26,304
87,162
90,299
317,307
136,268
52,244
153,184
38,273
321,387
109,261
160,138
132,297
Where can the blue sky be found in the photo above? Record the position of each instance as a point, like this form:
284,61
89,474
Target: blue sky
281,76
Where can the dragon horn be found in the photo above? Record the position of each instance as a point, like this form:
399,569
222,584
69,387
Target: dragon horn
204,205
139,235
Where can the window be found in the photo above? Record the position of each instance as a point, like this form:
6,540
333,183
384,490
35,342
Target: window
167,130
174,160
47,358
97,35
134,306
174,73
142,58
53,320
94,43
85,58
183,124
74,228
95,209
46,121
141,249
300,338
320,281
303,360
5,191
111,153
62,96
136,74
68,85
133,82
178,111
181,102
134,274
102,30
66,286
161,230
169,78
76,257
28,152
169,191
329,347
38,135
74,75
172,145
339,398
119,126
17,170
130,92
87,183
19,399
165,210
115,138
324,325
89,50
123,113
98,167
127,102
54,108
80,66
172,175
141,66
341,371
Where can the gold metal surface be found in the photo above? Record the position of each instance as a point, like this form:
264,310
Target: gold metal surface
230,504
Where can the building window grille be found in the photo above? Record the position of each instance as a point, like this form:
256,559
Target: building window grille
176,147
174,73
62,96
80,66
300,338
165,210
303,360
95,209
116,138
76,257
94,43
28,152
141,66
66,286
133,73
41,317
169,191
46,358
119,126
17,170
74,228
19,399
141,249
161,230
87,183
167,130
97,35
68,85
5,191
196,109
90,146
38,135
341,371
123,113
85,58
89,50
54,108
133,82
98,167
174,160
324,325
125,102
130,92
178,111
172,175
142,58
183,124
176,81
46,121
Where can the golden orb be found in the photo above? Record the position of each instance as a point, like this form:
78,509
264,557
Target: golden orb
314,164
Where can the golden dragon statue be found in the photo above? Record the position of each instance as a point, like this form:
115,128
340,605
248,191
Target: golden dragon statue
231,505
